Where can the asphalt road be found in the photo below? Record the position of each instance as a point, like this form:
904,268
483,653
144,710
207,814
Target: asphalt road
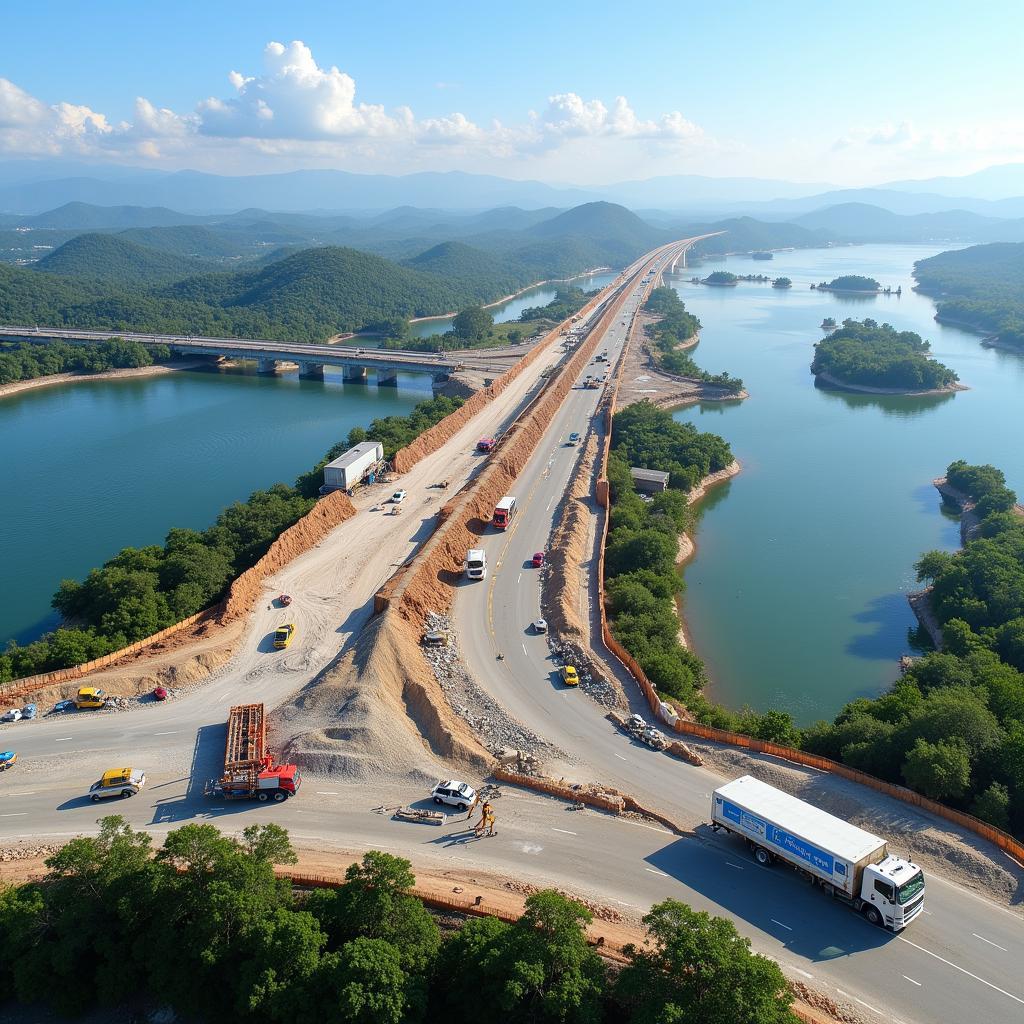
959,961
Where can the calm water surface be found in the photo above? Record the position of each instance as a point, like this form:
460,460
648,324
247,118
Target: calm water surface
797,596
91,467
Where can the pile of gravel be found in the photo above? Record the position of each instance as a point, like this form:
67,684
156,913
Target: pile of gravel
592,681
495,728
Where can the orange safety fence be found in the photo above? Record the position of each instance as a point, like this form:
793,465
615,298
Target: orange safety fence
1006,842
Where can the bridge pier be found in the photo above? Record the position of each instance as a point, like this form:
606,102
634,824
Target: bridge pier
311,371
387,378
354,374
266,366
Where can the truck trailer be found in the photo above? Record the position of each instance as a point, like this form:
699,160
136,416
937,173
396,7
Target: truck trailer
847,862
351,468
249,771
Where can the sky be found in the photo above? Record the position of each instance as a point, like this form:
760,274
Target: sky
567,92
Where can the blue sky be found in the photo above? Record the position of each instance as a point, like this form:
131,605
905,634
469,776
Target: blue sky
564,91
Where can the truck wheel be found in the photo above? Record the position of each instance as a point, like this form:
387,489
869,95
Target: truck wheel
872,914
762,856
263,797
279,796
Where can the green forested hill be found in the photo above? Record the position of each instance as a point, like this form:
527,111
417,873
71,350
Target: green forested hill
116,260
474,271
982,286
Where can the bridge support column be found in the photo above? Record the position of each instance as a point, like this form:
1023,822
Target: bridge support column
387,378
311,371
266,366
354,374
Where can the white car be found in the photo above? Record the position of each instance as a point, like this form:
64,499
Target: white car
456,794
398,497
540,625
14,715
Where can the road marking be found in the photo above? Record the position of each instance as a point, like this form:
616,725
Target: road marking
524,647
519,577
912,982
640,824
990,942
14,814
653,872
621,758
956,967
780,924
868,1005
172,732
806,974
326,792
738,867
565,830
63,739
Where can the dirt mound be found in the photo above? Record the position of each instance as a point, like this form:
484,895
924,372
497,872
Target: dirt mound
375,713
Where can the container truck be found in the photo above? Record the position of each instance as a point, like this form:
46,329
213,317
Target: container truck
249,771
476,564
349,469
847,862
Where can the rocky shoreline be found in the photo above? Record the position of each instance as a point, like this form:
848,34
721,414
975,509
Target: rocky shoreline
865,389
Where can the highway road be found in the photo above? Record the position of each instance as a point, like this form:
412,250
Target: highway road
946,967
960,962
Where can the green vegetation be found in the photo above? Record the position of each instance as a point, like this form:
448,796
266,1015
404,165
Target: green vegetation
880,356
643,542
675,327
143,590
851,283
982,286
721,278
367,952
566,303
116,261
28,360
782,282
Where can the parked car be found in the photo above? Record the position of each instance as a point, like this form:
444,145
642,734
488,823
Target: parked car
540,625
456,794
284,635
570,676
14,715
28,711
398,497
538,559
64,705
7,758
160,693
436,638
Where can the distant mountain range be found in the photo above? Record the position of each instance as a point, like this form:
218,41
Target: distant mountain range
32,187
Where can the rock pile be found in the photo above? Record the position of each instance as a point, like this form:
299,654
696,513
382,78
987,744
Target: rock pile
30,852
494,727
592,681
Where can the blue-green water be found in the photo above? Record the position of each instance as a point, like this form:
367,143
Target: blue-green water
797,596
93,466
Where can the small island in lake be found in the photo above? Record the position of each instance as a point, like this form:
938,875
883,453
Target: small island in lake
856,283
721,279
782,282
863,356
828,324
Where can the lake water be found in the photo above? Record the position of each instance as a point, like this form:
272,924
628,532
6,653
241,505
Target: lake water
91,467
796,598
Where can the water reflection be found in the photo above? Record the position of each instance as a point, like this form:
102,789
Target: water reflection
903,406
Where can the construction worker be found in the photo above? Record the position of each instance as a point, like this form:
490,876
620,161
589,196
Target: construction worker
485,814
490,821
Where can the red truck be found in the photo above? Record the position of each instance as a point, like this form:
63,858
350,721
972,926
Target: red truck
485,444
249,771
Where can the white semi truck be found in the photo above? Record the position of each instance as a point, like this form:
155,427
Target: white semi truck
851,864
476,564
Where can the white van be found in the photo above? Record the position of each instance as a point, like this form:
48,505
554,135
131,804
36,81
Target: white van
476,564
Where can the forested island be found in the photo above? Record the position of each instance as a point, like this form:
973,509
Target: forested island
849,283
782,282
721,279
981,288
675,327
866,356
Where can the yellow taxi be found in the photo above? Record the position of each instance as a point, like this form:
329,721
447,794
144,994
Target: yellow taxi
284,635
570,676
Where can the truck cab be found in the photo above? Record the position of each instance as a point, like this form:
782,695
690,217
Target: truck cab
476,564
90,697
892,892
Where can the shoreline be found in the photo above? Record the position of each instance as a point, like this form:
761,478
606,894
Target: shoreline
688,546
18,386
515,295
866,389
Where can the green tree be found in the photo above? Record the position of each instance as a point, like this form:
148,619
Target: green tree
371,984
472,323
939,770
993,805
699,969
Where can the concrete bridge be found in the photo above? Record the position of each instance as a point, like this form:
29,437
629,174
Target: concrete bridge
680,258
311,358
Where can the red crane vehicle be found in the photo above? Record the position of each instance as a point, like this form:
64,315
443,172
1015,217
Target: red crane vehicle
249,771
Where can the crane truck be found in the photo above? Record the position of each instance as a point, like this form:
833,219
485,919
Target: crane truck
847,862
249,771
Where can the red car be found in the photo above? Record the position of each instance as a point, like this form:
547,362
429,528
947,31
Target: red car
538,559
485,444
160,693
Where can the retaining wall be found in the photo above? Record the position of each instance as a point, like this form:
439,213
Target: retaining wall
615,805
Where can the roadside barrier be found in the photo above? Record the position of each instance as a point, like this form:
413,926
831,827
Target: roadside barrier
613,804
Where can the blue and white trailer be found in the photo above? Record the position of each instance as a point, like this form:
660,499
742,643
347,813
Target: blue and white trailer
849,863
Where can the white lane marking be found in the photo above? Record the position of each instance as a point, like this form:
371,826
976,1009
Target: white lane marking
780,924
806,974
14,814
172,732
519,578
550,503
990,942
565,830
621,758
912,982
524,648
956,967
738,867
326,792
653,872
621,904
63,739
640,824
31,792
868,1005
